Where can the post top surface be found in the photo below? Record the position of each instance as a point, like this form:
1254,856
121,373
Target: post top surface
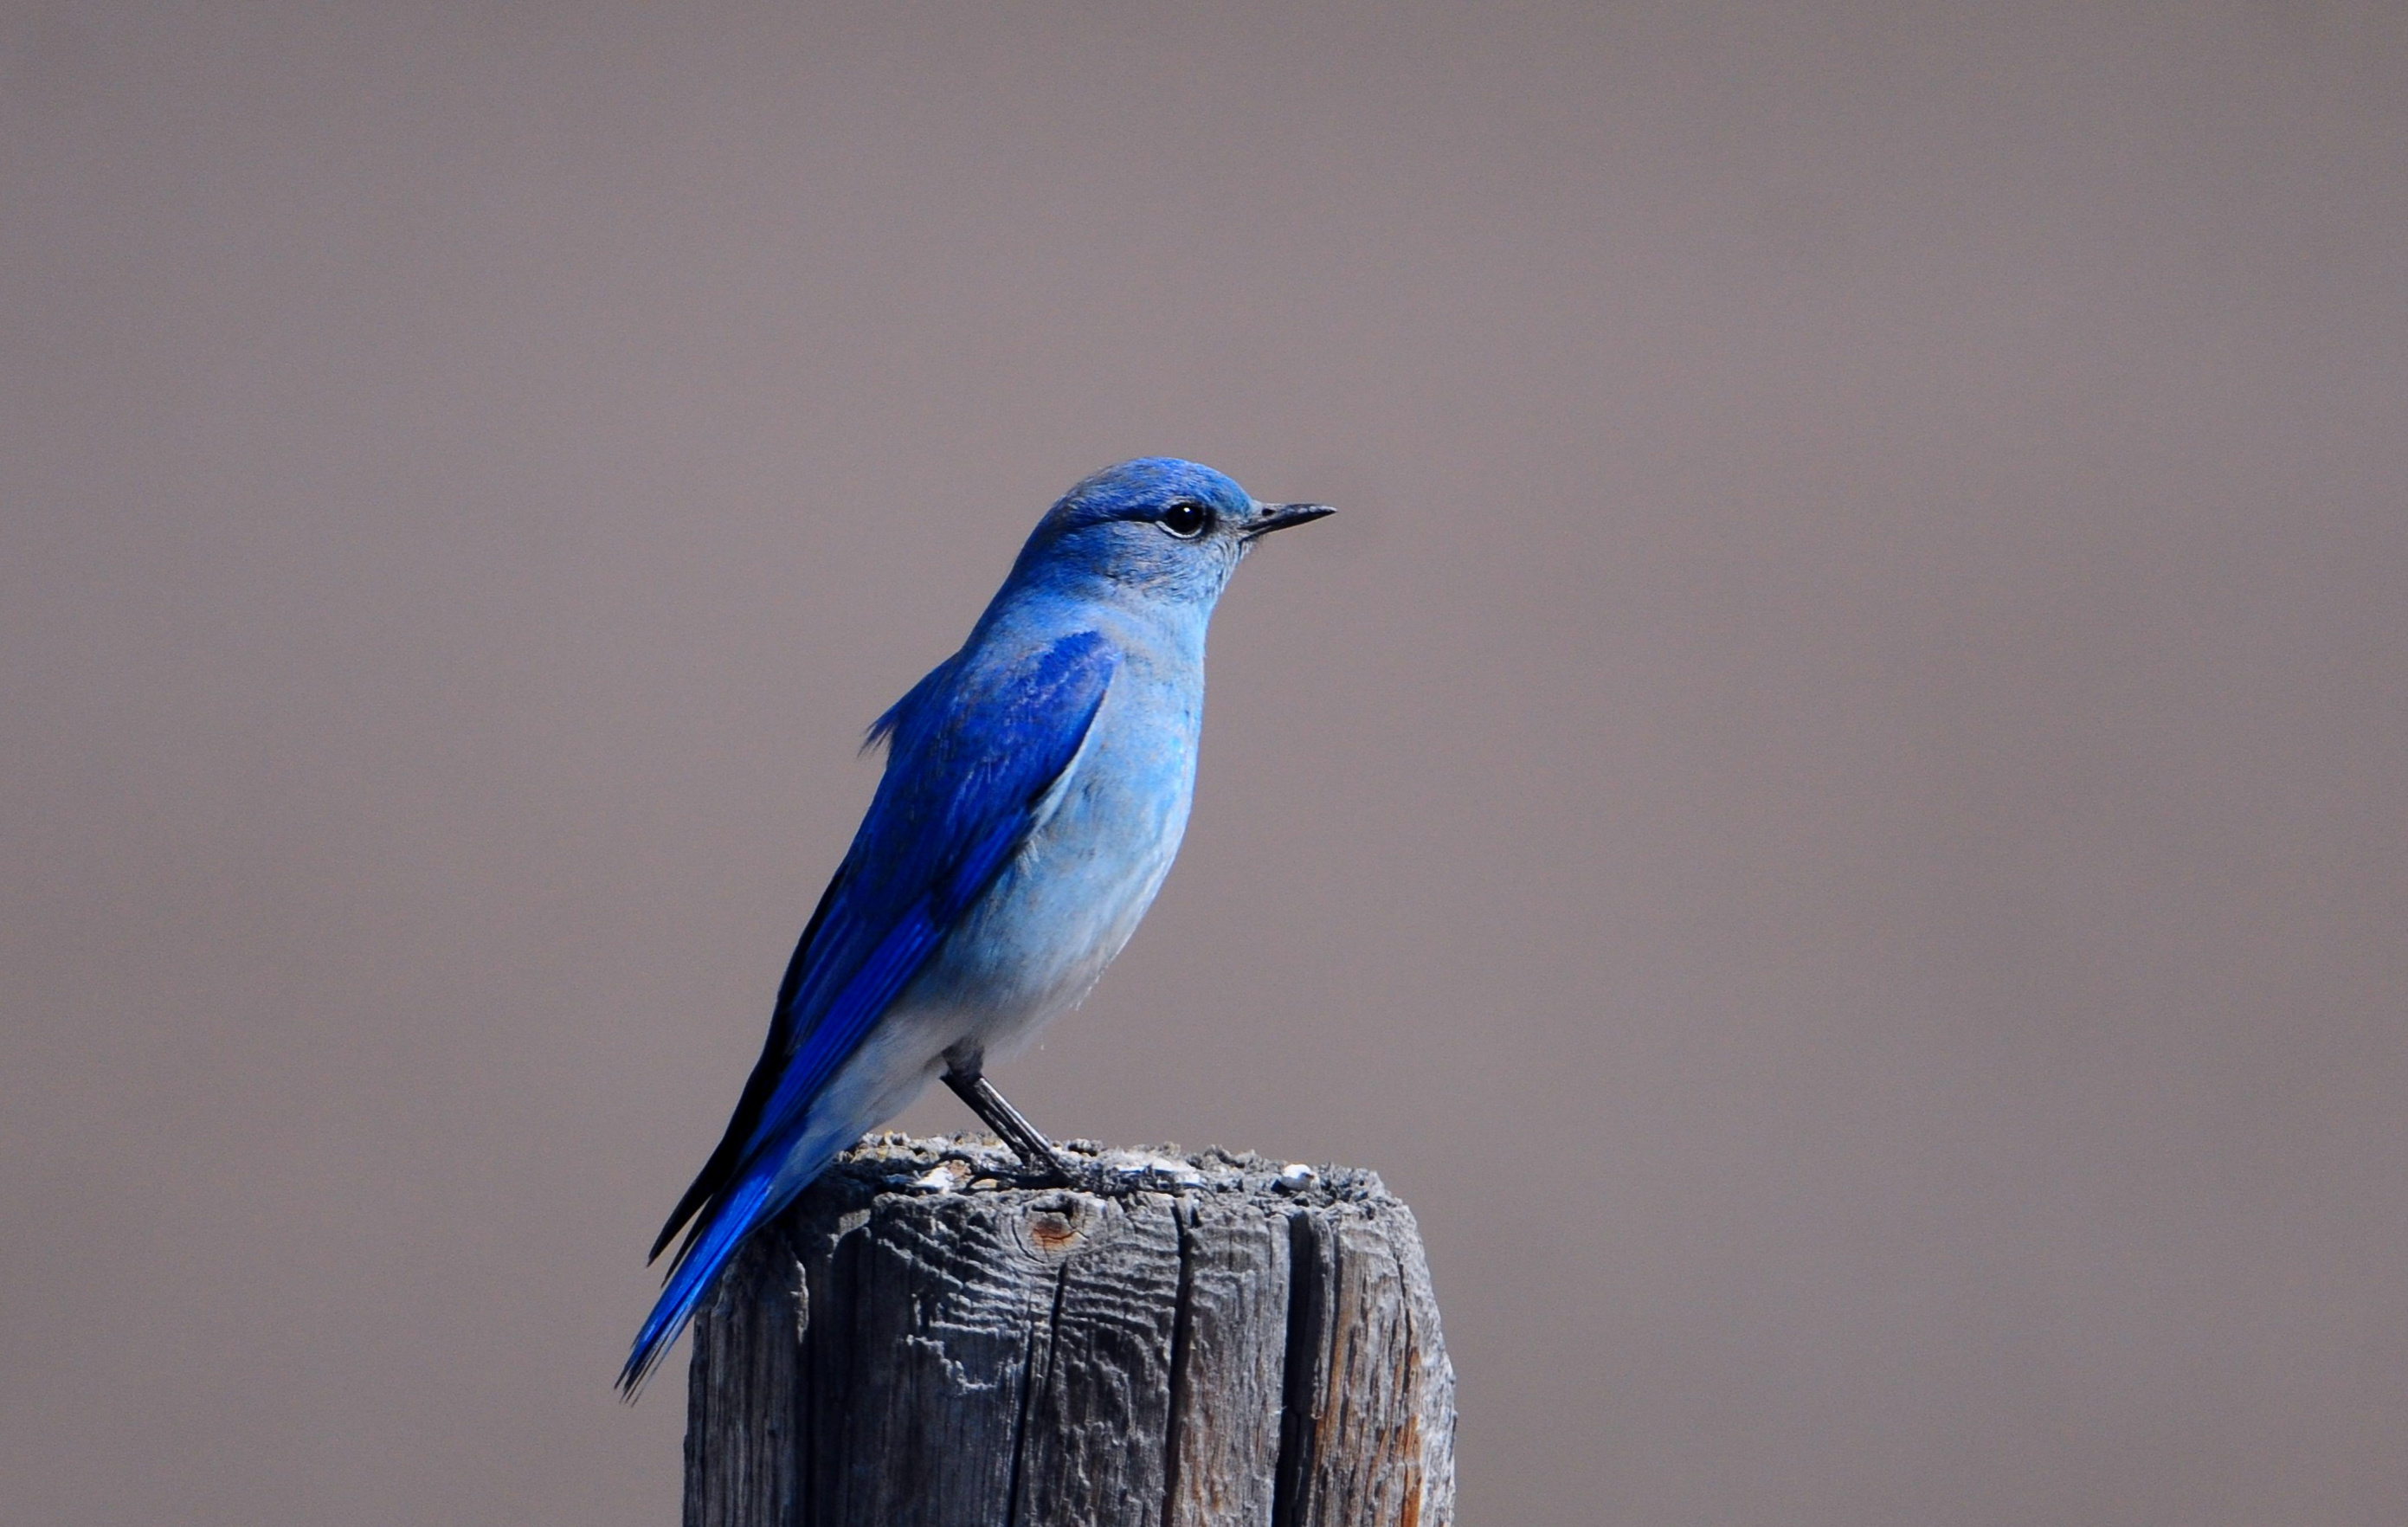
892,1162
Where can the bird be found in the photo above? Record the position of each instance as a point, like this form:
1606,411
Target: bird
1036,788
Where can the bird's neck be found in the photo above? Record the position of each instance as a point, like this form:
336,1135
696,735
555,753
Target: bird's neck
1162,631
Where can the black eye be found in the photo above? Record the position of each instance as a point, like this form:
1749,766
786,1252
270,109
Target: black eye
1185,521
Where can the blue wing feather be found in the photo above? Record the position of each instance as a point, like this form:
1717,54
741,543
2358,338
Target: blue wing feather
972,752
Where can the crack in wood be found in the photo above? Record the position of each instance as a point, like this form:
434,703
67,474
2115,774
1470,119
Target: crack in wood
1182,1340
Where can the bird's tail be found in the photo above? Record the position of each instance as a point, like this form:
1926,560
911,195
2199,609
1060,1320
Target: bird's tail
690,1276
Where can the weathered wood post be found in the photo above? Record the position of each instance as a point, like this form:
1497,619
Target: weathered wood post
921,1342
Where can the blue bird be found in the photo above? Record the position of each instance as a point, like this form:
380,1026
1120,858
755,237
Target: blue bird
1036,788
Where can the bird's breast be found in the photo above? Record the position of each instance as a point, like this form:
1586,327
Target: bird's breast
1059,912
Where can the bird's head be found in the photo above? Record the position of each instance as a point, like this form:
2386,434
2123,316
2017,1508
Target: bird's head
1155,529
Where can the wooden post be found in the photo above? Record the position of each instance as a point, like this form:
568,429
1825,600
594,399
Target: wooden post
920,1342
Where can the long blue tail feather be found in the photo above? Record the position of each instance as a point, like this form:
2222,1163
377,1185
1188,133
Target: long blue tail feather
698,1262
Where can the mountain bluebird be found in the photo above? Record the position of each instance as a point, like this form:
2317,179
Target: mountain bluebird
1036,783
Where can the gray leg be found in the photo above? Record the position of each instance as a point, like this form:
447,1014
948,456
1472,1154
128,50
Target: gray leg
1009,1124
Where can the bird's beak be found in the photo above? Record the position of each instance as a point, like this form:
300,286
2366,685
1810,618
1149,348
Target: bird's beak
1270,517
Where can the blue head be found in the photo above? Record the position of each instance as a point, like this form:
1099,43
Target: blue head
1155,530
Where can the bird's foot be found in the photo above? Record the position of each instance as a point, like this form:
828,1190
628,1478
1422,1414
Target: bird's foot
1080,1164
1042,1164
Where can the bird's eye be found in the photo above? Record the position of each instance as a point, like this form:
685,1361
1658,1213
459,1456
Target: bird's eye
1185,521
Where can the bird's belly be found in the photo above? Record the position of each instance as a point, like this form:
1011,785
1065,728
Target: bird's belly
1036,941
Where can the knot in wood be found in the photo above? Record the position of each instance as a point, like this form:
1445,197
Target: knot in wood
1053,1229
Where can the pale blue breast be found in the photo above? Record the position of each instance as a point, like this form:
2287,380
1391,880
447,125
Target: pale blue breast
1057,915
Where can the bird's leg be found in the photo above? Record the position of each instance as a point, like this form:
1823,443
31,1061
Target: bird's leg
1009,1124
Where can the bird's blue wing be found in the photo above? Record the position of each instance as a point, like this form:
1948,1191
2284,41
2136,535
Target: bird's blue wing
972,753
970,765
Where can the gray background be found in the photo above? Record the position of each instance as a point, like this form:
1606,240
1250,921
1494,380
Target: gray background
1830,813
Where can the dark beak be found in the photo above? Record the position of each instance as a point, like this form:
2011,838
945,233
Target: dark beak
1270,517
